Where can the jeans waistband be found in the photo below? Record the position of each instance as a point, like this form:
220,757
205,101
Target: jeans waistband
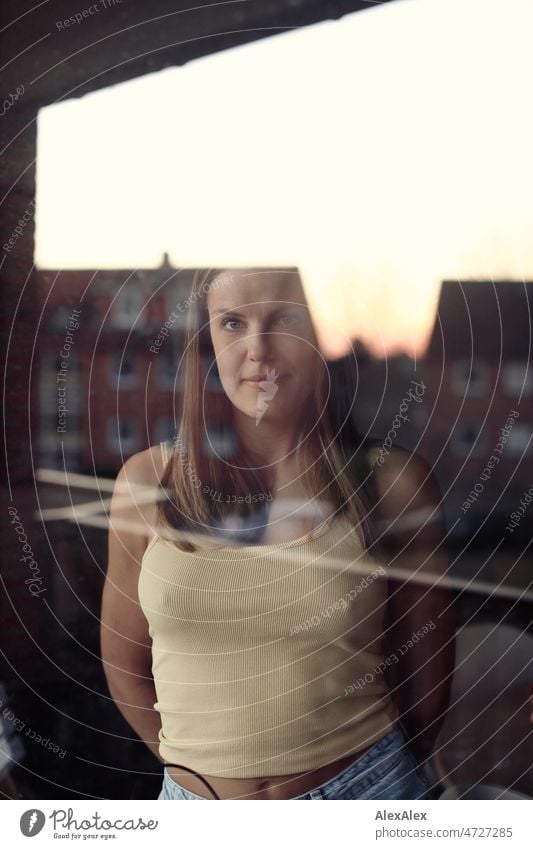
394,740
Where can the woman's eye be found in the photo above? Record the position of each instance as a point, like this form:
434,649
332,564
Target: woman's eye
287,319
235,323
226,321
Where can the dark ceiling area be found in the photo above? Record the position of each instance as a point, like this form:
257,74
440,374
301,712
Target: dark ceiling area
121,39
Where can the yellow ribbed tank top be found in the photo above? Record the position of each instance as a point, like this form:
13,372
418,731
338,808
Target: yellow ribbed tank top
266,658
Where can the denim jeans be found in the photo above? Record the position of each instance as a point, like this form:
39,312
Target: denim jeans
388,770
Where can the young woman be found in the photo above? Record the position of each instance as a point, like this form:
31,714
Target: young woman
273,622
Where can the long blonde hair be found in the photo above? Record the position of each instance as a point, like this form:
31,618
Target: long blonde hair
340,470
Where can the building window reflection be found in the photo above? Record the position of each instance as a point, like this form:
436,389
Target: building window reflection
470,378
122,435
168,374
468,440
164,429
520,441
128,306
123,371
517,379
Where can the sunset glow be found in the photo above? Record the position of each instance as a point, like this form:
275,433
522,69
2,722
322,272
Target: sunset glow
381,153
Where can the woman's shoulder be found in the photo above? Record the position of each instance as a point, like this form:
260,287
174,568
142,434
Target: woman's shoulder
400,472
136,493
147,467
396,459
377,453
407,487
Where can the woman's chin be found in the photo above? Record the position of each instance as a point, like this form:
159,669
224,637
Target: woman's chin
269,415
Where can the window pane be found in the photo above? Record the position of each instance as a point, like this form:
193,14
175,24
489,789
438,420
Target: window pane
281,273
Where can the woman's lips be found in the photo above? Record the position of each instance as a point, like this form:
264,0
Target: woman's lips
255,381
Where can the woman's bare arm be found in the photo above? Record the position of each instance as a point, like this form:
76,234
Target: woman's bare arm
421,632
124,638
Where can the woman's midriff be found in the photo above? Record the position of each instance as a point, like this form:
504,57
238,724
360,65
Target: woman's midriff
274,787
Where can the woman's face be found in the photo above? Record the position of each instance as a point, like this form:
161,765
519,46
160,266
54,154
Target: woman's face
264,342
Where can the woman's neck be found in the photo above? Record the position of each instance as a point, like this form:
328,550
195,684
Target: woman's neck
271,443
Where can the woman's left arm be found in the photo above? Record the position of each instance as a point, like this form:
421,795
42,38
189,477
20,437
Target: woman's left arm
420,637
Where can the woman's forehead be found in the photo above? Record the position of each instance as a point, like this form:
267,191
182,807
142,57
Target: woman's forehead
231,288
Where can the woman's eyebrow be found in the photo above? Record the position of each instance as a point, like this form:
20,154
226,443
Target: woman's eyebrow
282,308
222,310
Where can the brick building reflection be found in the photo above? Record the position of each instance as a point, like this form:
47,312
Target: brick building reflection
479,402
122,382
118,393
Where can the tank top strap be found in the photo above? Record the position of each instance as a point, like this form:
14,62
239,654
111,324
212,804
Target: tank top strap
166,450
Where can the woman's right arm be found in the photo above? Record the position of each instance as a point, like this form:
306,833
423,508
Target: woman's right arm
125,642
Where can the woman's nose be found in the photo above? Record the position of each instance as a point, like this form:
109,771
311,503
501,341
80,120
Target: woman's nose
258,346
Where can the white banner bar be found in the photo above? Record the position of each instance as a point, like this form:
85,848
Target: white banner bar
360,824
